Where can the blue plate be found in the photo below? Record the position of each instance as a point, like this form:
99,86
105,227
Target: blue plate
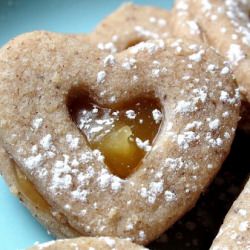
18,229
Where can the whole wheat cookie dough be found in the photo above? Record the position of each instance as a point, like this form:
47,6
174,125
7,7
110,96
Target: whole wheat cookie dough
130,25
235,231
88,243
41,73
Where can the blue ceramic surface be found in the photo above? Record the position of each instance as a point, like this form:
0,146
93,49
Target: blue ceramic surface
18,229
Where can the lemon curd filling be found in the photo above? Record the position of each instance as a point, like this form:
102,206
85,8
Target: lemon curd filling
123,134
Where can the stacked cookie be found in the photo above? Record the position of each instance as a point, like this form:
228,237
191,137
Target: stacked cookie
117,133
105,243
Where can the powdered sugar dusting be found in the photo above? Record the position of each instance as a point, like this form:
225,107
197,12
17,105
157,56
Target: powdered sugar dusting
37,122
170,196
153,191
150,47
73,142
46,142
157,115
235,54
33,161
144,145
101,77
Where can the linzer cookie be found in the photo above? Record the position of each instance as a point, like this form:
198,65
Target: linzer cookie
88,243
72,120
235,231
130,25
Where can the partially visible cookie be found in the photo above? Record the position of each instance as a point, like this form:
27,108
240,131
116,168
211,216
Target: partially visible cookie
235,231
129,25
184,25
89,243
225,25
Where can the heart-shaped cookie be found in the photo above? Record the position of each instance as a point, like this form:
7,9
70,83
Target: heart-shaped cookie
39,70
90,243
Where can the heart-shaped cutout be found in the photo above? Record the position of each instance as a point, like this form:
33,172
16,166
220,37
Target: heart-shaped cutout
123,134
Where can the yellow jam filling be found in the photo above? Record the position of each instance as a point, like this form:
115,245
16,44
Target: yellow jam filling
120,152
123,134
29,192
